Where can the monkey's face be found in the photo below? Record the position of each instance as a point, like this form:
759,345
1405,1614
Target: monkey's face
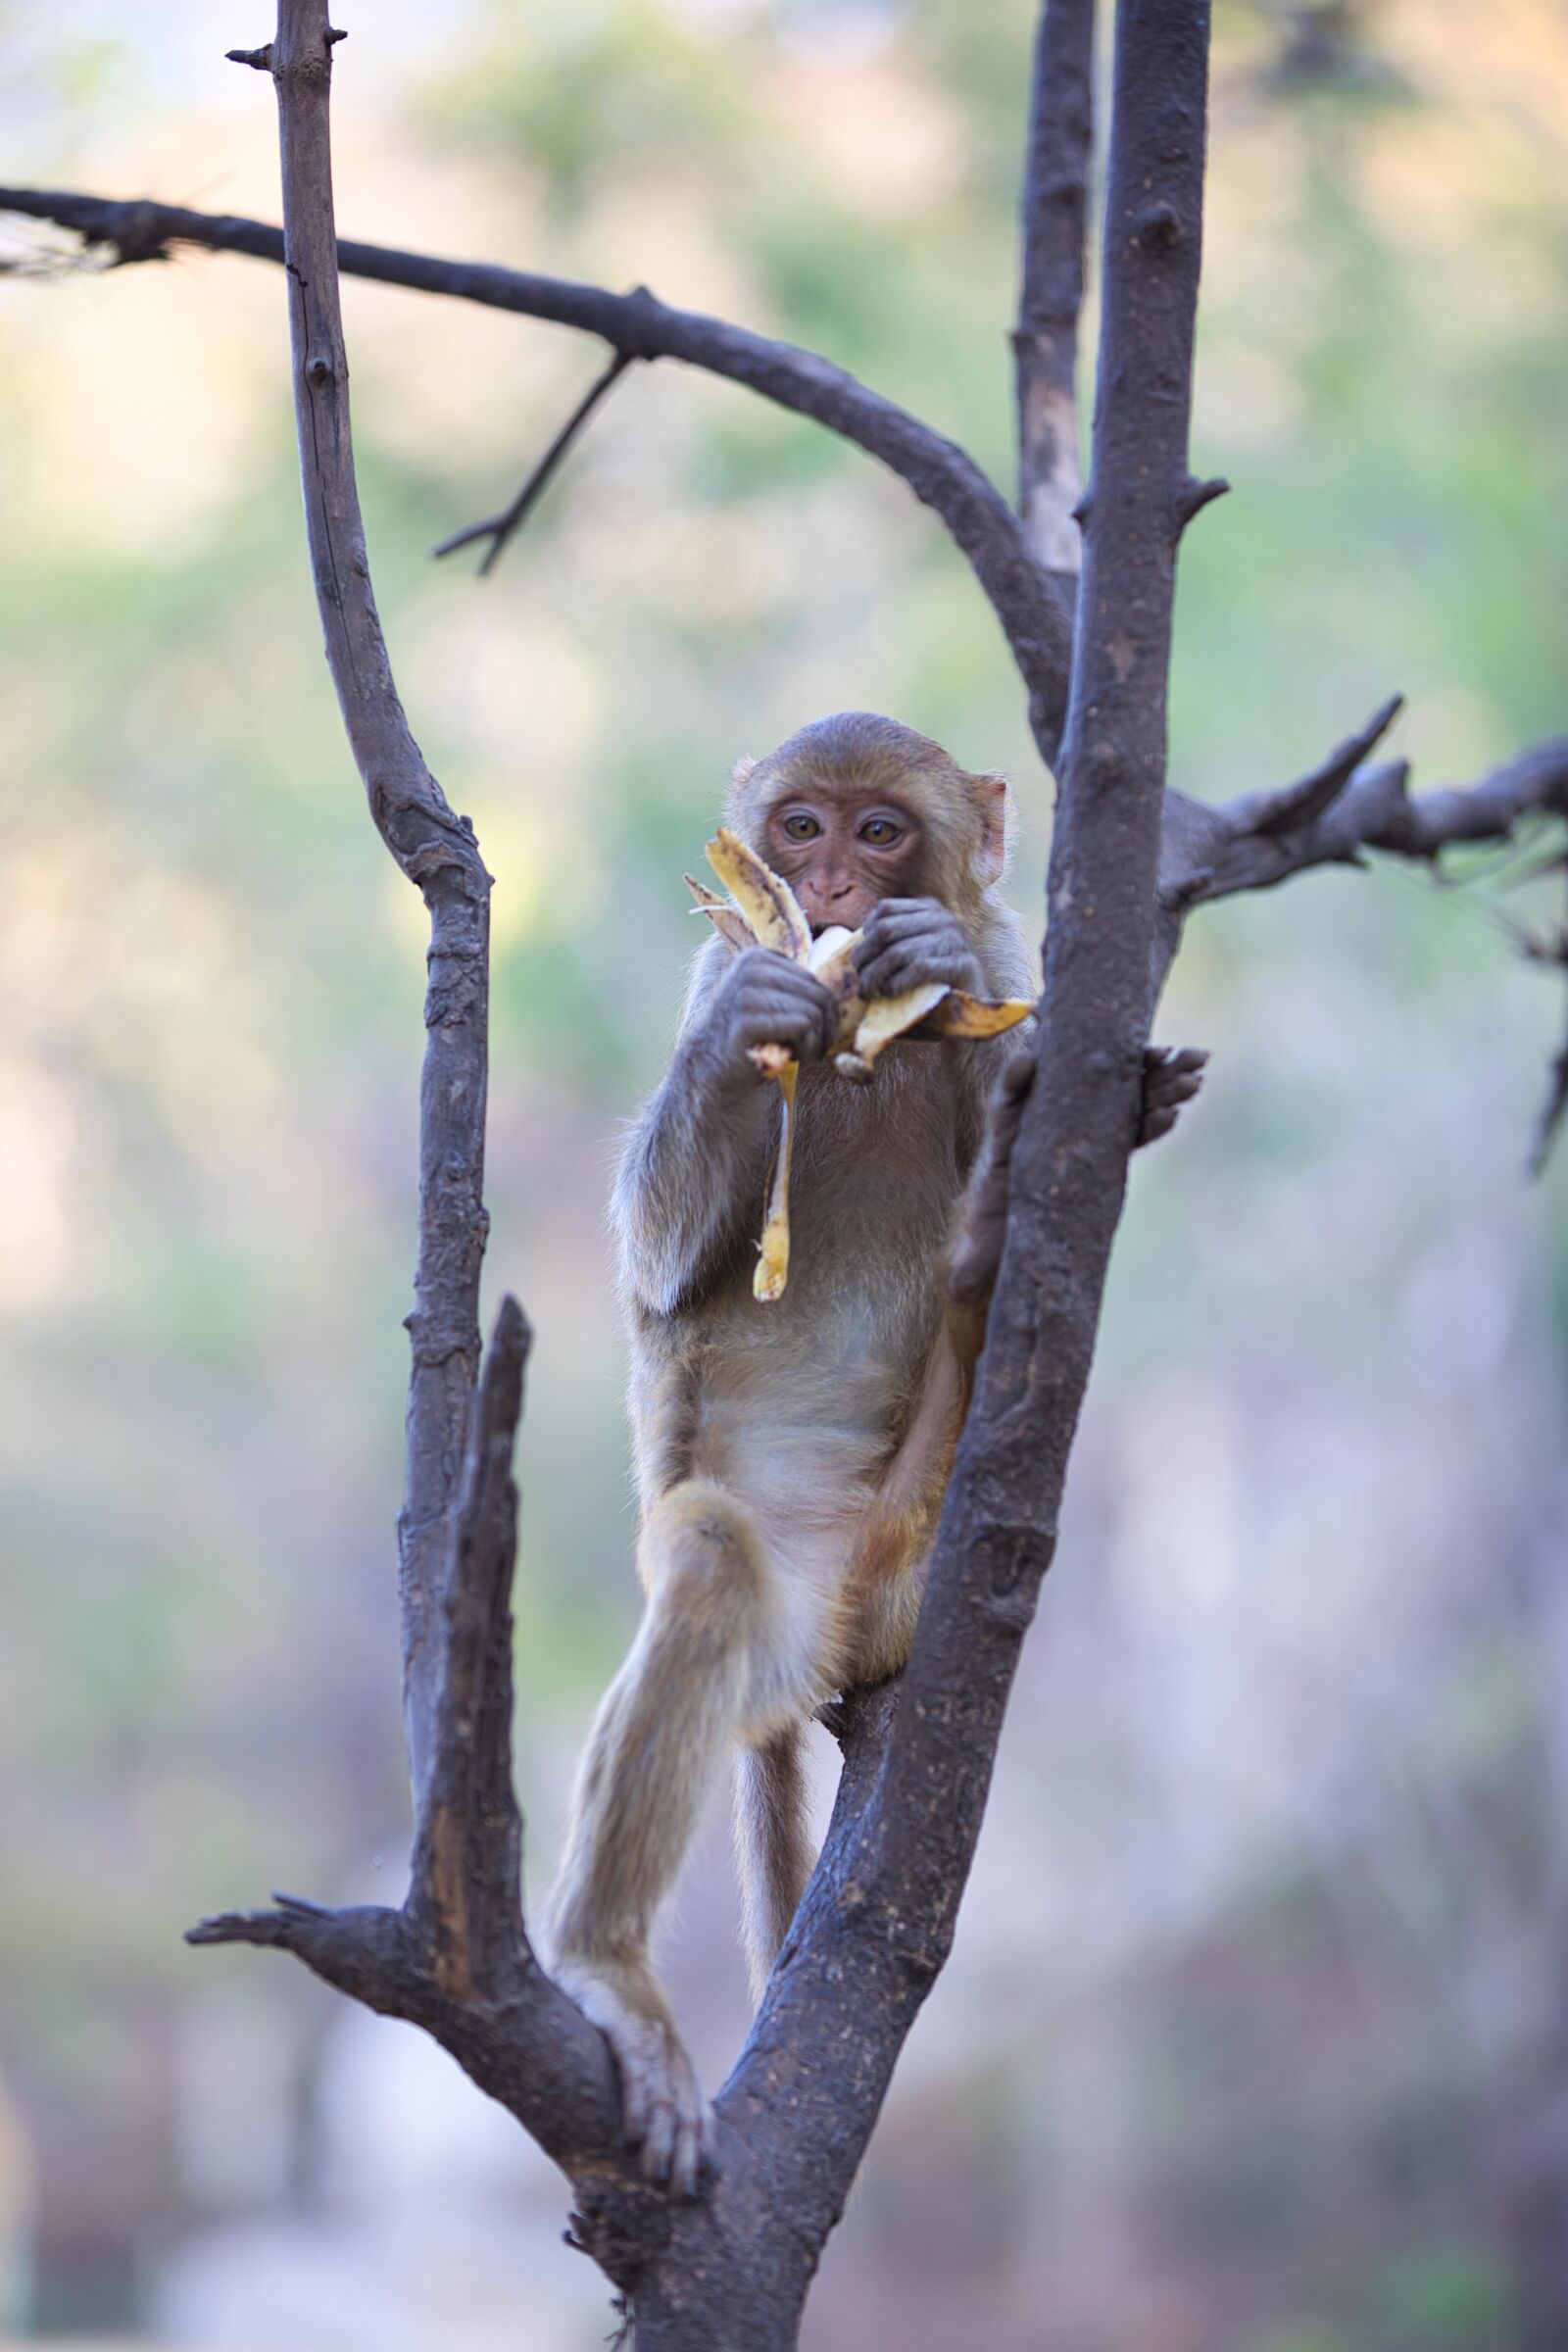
843,852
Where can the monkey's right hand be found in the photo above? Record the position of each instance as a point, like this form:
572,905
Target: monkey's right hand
764,1000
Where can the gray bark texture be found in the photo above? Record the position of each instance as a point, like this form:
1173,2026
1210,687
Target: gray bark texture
1130,860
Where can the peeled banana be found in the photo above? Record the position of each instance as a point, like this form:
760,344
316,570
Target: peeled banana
761,911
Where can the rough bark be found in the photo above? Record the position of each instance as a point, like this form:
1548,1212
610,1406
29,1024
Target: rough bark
1045,342
435,848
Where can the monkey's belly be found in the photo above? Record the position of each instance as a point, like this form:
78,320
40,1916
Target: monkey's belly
800,1417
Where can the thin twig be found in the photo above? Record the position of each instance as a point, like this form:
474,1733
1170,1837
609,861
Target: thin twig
498,528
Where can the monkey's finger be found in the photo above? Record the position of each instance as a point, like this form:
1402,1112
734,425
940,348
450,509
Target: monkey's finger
659,2143
1175,1060
1171,1079
1169,1094
903,907
802,1016
1153,1125
1168,1079
634,2100
891,916
1005,1118
894,926
689,2157
910,964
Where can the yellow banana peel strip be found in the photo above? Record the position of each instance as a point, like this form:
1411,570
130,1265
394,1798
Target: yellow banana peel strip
727,920
964,1015
888,1017
763,898
774,1264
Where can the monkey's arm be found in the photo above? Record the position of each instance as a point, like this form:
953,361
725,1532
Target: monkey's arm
1172,1078
693,1171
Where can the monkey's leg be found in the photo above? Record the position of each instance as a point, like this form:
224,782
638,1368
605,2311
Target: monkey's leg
772,1845
663,1727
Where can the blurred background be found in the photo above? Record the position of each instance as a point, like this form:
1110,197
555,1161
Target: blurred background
1256,2035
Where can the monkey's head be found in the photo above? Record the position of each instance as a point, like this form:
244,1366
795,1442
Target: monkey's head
856,808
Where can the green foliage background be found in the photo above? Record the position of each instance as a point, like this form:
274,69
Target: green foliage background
210,984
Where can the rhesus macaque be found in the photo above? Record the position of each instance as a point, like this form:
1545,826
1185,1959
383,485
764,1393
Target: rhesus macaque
790,1457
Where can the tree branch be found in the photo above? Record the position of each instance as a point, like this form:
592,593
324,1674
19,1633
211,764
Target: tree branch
456,1959
467,1872
434,848
878,1920
1033,617
1051,295
500,528
1343,810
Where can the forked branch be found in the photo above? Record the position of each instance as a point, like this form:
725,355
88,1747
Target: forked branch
1345,808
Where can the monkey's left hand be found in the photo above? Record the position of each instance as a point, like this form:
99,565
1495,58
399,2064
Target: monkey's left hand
908,941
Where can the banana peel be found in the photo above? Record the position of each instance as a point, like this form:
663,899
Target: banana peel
761,911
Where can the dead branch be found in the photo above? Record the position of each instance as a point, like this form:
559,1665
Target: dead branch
1033,617
500,528
1051,295
456,1959
1345,808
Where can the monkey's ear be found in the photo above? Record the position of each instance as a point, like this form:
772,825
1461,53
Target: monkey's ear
990,792
741,773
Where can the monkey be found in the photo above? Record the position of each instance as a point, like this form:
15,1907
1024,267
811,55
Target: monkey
790,1457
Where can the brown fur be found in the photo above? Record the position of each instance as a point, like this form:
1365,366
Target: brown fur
773,1850
792,1457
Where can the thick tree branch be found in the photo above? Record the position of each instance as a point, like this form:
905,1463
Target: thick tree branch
467,1854
1332,817
1033,617
878,1920
434,848
1051,295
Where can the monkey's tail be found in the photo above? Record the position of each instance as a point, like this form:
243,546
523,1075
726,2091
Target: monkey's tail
772,1845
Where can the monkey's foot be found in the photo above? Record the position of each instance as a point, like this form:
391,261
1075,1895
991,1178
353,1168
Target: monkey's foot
1172,1076
666,2113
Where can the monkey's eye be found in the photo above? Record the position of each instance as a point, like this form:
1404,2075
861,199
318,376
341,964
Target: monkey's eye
880,831
801,827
